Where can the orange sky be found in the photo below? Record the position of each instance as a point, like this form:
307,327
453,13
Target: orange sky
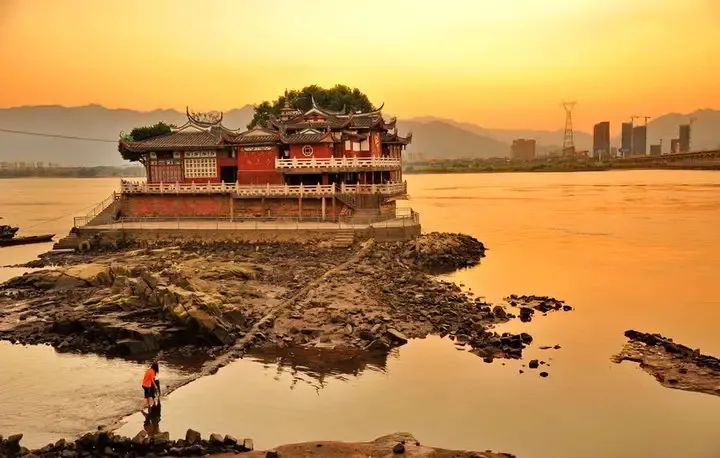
498,63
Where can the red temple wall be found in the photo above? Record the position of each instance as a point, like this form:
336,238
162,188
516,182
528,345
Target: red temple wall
320,151
258,167
172,206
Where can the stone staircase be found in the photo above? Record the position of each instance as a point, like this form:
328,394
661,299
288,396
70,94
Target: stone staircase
69,242
344,238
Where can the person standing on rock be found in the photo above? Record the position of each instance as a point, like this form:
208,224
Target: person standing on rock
151,385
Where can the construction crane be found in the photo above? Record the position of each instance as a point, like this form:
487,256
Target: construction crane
634,117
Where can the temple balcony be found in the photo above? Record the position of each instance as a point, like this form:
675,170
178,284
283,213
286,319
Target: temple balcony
269,190
336,164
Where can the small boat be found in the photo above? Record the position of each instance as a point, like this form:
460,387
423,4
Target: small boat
8,238
27,239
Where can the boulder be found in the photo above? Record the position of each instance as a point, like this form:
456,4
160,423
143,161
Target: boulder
230,440
192,436
399,448
533,364
248,444
216,439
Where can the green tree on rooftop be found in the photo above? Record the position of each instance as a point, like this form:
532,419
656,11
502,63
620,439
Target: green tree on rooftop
334,99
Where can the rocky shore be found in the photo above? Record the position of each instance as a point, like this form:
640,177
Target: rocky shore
108,444
141,300
672,364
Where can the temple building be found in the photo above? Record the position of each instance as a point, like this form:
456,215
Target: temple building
313,165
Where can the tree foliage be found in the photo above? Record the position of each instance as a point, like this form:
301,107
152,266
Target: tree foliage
144,132
334,99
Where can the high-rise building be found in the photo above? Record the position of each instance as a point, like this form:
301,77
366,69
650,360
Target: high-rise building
639,141
523,149
685,138
601,140
626,142
655,150
674,145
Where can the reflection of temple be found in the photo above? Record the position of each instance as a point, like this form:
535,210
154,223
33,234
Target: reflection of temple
315,365
314,164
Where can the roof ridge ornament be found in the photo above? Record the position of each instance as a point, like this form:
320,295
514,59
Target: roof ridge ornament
204,119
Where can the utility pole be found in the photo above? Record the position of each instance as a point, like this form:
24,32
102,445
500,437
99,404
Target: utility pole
569,137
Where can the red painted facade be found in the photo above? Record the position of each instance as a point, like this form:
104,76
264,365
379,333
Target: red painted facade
319,151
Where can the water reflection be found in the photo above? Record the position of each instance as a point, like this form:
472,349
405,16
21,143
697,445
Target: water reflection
317,366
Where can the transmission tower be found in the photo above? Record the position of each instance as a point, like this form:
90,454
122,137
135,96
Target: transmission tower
569,138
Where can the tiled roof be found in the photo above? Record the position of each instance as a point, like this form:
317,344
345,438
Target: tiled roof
174,141
395,138
307,138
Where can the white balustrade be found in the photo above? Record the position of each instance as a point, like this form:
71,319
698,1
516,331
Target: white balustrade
337,163
131,187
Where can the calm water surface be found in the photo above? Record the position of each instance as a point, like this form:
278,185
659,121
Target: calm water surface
636,249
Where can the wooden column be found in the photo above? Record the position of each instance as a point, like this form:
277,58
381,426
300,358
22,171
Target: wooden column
232,209
299,208
322,205
334,213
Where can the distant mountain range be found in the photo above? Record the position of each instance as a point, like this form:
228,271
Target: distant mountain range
433,138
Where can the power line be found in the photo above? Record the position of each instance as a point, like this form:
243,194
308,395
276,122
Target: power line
65,137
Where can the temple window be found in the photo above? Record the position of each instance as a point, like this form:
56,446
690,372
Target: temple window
200,168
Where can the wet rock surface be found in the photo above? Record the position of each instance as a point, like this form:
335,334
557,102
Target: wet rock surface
141,300
672,364
108,444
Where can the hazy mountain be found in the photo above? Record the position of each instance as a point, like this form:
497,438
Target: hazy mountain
442,140
547,140
92,121
433,138
705,129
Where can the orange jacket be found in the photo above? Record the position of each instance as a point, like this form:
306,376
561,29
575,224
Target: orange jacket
149,378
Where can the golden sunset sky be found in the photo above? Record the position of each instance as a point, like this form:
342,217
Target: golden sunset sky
497,63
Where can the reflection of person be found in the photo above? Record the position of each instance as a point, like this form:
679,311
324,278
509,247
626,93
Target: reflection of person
152,419
151,385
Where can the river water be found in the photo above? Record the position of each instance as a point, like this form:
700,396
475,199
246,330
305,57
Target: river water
628,249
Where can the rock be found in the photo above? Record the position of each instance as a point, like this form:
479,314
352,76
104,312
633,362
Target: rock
499,312
533,364
544,374
140,437
13,440
271,454
192,437
216,439
248,444
526,314
399,448
396,335
230,440
526,338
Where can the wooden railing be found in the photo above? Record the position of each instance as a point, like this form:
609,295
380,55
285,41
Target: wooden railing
338,163
319,190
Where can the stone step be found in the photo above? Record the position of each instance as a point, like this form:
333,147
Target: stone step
68,242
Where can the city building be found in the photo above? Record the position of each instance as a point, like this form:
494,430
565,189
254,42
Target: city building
674,145
523,149
655,150
626,140
684,135
318,164
639,141
601,141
